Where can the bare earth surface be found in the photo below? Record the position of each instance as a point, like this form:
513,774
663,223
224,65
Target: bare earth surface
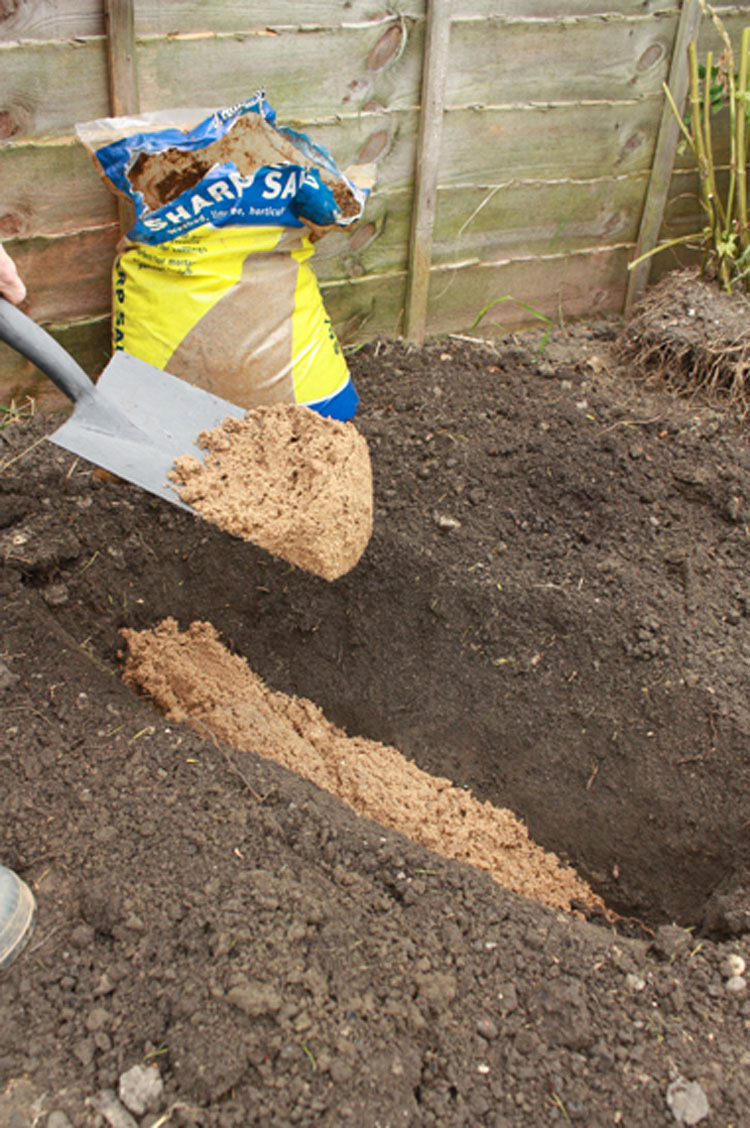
553,612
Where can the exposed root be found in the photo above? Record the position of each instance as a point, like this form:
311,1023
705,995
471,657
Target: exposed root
692,337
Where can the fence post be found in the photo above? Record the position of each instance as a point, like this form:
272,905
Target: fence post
434,74
664,154
119,20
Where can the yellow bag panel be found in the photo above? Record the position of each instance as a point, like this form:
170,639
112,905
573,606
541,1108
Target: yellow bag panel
162,292
319,369
252,348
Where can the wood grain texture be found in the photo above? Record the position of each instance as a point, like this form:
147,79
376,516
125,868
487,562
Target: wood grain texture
495,63
512,219
67,278
428,152
488,224
50,19
324,73
561,287
121,57
568,286
160,17
488,147
164,17
664,155
51,189
46,87
318,73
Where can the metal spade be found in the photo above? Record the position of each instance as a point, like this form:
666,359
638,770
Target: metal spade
135,421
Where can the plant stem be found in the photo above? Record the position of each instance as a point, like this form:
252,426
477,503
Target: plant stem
709,147
742,97
697,135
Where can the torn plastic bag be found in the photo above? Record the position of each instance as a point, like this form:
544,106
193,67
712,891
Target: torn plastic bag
212,282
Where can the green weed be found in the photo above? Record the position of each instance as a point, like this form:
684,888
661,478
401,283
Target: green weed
16,412
524,305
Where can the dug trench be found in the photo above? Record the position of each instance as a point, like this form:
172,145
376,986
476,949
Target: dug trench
552,611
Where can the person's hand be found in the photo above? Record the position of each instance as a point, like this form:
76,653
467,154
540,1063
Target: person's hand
11,286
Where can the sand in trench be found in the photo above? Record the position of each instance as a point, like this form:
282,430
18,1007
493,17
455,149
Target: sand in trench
191,677
287,479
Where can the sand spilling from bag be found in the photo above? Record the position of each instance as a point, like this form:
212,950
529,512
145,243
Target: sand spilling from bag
191,677
290,481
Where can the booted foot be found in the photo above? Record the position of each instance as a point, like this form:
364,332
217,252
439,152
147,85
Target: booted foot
17,915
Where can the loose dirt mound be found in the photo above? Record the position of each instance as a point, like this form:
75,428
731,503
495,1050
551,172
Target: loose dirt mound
190,676
554,612
288,480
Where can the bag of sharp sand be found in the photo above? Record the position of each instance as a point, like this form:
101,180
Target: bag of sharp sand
212,281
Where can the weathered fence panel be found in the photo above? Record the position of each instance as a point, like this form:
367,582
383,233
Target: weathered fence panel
550,119
51,19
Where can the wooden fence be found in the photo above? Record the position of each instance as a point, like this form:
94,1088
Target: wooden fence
522,147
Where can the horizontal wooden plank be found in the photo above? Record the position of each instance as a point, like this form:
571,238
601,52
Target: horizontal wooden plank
50,19
50,189
488,147
560,288
154,17
568,286
46,87
496,64
517,220
581,142
325,72
315,73
87,341
559,9
69,277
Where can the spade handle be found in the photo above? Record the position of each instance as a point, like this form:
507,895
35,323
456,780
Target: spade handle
36,344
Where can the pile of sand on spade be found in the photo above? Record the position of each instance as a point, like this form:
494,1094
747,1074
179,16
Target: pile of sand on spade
191,677
290,481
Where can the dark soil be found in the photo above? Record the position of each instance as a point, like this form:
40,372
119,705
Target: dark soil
554,610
